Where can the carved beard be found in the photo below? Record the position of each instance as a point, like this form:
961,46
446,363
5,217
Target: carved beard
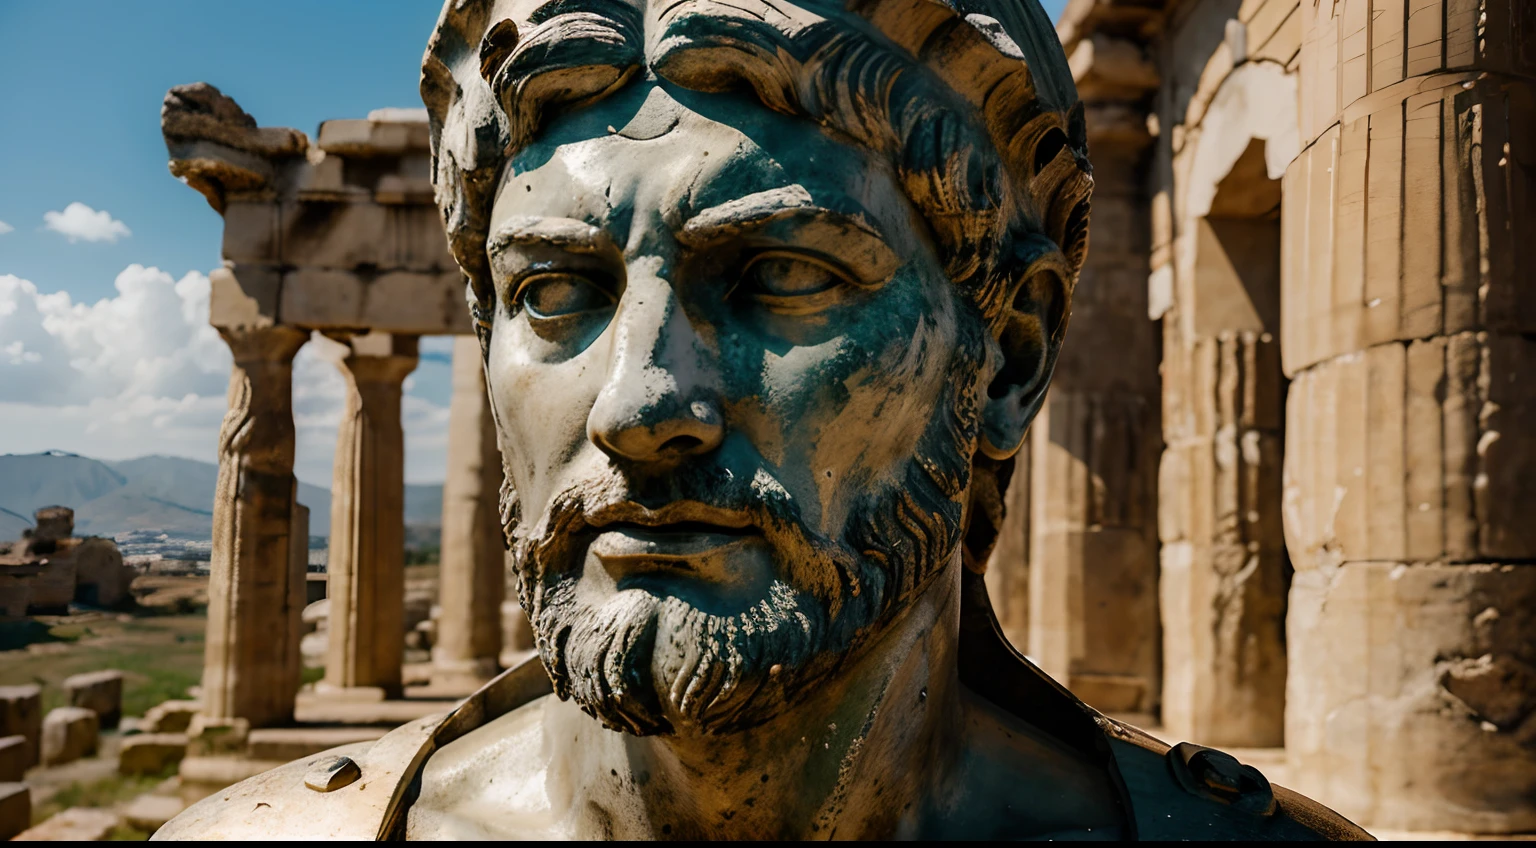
649,664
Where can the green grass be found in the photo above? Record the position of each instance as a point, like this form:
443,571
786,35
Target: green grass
105,792
159,656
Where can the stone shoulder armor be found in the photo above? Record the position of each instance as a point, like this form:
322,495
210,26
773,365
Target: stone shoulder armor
1190,792
362,791
346,793
356,792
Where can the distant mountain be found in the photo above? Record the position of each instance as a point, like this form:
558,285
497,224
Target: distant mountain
12,524
162,494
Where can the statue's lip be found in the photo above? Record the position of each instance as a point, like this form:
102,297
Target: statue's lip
684,516
682,538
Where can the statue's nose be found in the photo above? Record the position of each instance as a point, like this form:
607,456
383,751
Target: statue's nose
660,401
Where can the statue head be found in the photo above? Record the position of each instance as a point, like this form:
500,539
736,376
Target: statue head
768,294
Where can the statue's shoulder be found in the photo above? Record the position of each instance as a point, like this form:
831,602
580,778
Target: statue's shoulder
1190,792
360,791
350,792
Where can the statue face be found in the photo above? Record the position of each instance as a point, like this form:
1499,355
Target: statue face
736,396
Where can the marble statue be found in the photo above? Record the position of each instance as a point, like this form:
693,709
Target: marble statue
768,292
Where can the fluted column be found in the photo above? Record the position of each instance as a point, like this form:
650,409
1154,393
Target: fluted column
248,662
1409,313
366,564
1223,559
464,654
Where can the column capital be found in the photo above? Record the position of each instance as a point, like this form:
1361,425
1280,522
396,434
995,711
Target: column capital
380,357
277,343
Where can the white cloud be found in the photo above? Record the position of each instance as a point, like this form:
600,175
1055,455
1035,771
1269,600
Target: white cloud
142,372
82,223
5,228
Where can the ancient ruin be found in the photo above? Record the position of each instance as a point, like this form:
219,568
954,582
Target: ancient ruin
50,568
1326,208
341,237
669,272
1274,498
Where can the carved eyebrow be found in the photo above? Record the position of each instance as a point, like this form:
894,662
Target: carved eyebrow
790,210
564,233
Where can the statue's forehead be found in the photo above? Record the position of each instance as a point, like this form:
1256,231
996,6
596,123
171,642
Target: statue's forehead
683,153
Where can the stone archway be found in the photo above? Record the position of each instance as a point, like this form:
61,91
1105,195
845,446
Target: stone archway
1225,571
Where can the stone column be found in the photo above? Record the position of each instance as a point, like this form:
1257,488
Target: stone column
366,563
1093,606
1224,561
298,589
1410,239
468,642
1216,287
247,660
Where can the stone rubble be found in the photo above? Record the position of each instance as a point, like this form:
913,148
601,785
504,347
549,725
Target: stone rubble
69,734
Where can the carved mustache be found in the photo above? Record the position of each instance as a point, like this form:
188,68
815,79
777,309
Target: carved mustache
709,495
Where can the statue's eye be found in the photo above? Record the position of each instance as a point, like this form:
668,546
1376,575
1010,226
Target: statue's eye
557,295
780,276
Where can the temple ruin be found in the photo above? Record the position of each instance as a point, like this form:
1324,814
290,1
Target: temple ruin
1324,210
340,236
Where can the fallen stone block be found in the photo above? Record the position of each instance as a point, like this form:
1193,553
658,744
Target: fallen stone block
21,714
69,733
213,737
151,753
149,812
169,717
76,824
203,776
100,691
15,809
13,757
284,744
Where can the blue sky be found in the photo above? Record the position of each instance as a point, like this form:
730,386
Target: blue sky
81,102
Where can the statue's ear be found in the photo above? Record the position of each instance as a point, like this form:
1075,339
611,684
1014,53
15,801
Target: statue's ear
1033,324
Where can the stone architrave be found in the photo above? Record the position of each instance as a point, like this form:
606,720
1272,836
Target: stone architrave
366,564
246,662
100,691
69,733
470,576
21,714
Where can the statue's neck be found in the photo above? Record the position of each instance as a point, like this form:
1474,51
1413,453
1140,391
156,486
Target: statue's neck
863,756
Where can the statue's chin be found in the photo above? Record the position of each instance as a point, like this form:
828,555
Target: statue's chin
647,665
